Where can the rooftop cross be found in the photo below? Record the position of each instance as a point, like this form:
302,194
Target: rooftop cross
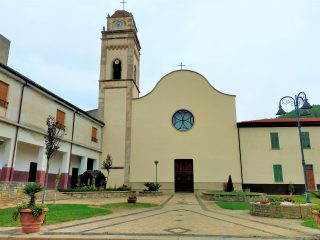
123,2
181,65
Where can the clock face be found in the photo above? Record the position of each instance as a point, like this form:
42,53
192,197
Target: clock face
118,24
182,120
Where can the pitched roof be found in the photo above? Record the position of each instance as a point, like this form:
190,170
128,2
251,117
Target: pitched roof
59,99
280,122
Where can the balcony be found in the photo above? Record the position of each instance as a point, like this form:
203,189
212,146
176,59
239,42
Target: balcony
4,103
93,139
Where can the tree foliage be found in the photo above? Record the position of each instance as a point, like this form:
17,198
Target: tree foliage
315,112
107,164
55,133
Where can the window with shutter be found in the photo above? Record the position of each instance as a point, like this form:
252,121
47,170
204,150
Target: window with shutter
277,171
306,140
60,118
94,135
274,136
3,94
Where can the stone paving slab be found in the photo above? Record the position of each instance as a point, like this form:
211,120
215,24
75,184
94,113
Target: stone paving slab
181,216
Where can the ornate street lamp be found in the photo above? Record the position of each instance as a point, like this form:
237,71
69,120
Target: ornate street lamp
156,163
296,101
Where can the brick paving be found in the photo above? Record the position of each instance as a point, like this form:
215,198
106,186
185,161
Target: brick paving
180,216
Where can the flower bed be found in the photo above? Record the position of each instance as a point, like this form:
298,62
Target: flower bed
282,210
233,196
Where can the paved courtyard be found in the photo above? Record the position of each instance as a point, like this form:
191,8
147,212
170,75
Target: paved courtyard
180,216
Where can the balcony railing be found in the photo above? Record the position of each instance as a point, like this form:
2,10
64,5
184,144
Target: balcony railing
93,139
60,126
4,103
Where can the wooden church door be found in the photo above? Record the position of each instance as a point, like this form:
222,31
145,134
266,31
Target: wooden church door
183,169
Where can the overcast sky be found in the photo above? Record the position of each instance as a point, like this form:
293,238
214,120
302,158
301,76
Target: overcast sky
258,50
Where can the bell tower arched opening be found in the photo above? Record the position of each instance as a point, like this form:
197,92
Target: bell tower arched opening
116,69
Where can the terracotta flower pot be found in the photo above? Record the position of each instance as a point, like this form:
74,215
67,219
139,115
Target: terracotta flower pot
132,200
29,223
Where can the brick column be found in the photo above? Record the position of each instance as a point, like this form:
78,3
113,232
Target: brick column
41,165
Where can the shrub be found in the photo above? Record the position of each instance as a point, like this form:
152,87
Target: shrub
291,188
31,189
230,187
123,188
152,186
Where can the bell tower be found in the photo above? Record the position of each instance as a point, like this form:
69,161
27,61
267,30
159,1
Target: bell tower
120,49
118,85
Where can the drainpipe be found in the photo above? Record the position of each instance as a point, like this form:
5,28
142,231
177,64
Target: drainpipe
17,132
240,157
71,144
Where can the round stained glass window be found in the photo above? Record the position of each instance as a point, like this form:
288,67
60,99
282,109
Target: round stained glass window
182,120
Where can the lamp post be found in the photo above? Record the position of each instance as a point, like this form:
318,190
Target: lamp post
156,163
296,101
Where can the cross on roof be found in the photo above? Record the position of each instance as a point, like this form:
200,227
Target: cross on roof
181,65
123,2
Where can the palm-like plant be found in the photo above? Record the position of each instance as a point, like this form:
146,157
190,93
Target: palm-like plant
31,189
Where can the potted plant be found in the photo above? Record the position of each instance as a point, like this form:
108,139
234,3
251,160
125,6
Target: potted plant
31,214
132,197
291,188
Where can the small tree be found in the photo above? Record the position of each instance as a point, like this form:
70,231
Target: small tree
230,185
107,164
55,133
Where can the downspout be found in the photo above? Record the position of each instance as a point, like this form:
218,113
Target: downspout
240,156
71,144
17,132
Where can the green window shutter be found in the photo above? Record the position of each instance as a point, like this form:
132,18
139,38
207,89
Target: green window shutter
306,140
274,136
277,171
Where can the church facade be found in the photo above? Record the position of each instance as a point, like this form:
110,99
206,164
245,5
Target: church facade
183,134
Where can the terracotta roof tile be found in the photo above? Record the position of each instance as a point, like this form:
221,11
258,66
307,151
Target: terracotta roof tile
121,13
279,120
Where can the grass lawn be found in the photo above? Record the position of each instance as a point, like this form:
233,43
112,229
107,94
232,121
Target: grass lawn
302,199
67,212
234,205
57,213
310,223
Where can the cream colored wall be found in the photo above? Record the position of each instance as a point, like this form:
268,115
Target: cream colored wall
83,131
26,153
14,93
114,132
258,157
212,143
37,106
75,162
